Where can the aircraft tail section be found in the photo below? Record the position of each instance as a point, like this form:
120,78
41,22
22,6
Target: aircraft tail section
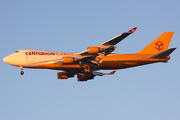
160,44
163,54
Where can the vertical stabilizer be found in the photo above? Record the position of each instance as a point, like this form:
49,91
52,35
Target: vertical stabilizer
159,44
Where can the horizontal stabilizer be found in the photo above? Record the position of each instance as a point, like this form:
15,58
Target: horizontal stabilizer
163,54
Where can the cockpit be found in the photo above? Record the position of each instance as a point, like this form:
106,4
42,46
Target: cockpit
16,52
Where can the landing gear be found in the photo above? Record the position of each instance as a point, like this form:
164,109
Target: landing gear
84,77
22,72
86,73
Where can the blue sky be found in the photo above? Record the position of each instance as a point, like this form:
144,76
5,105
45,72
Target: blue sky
149,92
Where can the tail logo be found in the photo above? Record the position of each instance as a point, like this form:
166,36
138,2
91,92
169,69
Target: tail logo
159,45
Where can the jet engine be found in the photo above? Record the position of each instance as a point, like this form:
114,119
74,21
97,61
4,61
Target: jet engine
94,50
67,60
64,75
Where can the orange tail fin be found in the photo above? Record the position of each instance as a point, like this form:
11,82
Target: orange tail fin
159,44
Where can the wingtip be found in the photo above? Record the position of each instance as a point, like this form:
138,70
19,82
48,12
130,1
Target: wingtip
112,72
132,30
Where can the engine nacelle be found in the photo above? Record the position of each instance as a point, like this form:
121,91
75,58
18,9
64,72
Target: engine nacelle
68,60
64,75
93,50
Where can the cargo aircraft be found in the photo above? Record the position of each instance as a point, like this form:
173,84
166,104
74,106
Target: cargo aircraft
87,63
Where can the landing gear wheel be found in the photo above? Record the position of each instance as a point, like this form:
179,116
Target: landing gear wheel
22,73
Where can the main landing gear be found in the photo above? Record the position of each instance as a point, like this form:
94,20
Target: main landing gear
87,71
22,72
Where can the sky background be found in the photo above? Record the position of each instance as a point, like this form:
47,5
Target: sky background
150,92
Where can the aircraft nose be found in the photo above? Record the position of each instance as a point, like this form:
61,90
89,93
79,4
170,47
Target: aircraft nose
5,59
8,60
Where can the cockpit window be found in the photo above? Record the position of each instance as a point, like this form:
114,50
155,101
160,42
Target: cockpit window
16,51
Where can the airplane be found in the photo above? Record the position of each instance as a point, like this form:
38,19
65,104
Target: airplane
87,63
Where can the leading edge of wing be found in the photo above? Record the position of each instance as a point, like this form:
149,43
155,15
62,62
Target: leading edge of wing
119,38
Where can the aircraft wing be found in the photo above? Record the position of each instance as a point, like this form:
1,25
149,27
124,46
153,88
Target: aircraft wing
81,76
85,77
101,74
108,46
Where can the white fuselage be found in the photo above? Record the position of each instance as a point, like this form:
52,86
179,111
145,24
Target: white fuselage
30,58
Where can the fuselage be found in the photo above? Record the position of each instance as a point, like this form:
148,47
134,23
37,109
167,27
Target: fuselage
47,59
100,57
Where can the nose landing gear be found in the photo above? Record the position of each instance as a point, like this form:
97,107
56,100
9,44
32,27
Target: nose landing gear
22,72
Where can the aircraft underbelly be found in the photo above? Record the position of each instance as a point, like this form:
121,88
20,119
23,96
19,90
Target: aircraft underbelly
121,64
116,64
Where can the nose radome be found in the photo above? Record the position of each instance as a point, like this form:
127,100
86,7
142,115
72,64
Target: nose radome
8,60
5,59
